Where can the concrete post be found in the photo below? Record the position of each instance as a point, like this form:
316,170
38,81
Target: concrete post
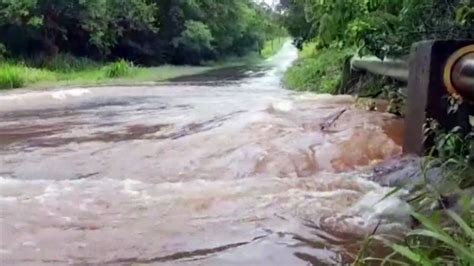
431,65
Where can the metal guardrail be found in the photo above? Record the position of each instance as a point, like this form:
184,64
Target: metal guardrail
436,73
458,72
394,68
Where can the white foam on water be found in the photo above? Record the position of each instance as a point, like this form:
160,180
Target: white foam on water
334,194
136,190
63,94
40,99
375,206
350,202
58,95
8,181
128,187
5,251
283,106
8,199
325,98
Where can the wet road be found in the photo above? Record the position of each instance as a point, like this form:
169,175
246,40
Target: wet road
221,169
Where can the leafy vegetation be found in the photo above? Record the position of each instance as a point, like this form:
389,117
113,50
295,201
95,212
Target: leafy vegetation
17,75
453,153
146,32
378,27
11,77
271,47
318,71
82,71
195,40
443,238
375,27
73,41
118,69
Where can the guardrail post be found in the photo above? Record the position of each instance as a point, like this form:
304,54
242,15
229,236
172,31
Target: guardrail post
438,69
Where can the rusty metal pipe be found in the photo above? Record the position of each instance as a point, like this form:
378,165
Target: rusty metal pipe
459,74
463,76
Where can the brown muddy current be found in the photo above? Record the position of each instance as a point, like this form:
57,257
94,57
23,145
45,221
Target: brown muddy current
220,169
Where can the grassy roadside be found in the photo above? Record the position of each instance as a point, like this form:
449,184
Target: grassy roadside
83,72
272,47
19,76
317,70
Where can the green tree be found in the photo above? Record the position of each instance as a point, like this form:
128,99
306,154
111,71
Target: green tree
194,43
143,31
380,27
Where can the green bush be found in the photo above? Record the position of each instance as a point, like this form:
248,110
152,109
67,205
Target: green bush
320,71
11,77
194,43
118,69
197,36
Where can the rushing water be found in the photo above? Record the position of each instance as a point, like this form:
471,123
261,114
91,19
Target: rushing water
220,169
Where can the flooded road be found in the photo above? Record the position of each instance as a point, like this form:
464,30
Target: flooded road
212,170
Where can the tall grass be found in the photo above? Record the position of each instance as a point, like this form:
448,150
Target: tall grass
62,63
442,238
317,70
65,70
18,75
11,77
68,71
118,69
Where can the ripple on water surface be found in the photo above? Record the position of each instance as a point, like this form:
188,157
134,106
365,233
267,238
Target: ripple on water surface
131,219
238,173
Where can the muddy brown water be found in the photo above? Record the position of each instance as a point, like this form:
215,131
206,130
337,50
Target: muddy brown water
232,170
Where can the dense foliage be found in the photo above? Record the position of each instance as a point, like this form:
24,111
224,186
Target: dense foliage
143,31
379,27
383,28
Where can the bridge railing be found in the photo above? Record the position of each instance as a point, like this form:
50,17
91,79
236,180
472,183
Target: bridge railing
394,68
437,73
